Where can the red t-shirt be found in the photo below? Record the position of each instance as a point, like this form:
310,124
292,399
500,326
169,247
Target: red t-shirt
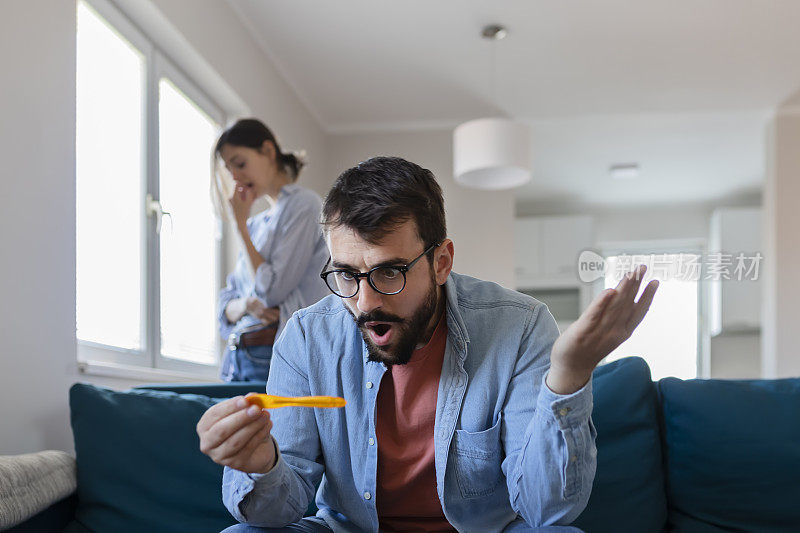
406,496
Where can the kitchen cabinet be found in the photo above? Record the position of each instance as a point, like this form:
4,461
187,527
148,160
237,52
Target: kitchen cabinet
547,250
734,268
546,257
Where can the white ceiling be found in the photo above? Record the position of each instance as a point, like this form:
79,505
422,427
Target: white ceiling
684,87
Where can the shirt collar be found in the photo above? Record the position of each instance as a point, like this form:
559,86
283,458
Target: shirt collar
287,190
455,323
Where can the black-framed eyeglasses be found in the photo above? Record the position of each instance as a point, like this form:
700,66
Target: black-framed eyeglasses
384,279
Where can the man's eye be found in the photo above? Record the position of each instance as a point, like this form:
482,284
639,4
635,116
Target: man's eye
346,276
389,273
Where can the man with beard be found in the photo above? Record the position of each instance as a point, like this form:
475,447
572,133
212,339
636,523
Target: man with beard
465,409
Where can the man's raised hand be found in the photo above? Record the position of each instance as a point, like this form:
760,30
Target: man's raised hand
608,322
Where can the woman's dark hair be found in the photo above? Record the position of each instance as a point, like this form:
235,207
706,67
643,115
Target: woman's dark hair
252,133
381,193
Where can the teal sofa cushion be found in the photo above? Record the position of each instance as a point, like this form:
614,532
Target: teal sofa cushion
139,463
732,454
628,491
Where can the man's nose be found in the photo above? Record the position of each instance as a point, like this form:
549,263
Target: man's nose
368,298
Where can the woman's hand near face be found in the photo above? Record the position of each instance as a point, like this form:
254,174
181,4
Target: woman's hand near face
241,203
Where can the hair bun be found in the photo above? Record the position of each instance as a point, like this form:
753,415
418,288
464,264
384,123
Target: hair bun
295,161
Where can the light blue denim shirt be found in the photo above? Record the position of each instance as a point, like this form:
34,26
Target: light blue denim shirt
505,445
289,238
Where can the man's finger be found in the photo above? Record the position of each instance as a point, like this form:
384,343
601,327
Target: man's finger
259,438
643,305
594,312
218,412
622,307
632,282
241,438
223,429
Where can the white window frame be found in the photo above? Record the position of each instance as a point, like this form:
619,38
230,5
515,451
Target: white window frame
149,363
669,246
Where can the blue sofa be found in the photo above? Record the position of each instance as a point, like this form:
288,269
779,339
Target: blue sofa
686,456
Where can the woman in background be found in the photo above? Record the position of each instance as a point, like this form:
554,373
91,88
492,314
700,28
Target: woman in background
277,272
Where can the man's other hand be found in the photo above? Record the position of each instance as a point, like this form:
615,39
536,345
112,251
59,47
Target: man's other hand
236,434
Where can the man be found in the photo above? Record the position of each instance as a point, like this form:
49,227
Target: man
465,409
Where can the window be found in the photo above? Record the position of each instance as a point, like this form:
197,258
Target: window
669,336
148,243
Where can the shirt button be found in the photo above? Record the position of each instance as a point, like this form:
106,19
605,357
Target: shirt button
564,411
367,496
371,441
369,386
573,458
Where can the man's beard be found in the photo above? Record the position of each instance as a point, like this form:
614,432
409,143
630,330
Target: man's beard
408,335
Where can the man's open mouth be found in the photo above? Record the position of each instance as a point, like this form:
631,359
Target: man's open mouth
381,333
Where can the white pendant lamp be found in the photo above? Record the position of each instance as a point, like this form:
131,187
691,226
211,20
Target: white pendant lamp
492,153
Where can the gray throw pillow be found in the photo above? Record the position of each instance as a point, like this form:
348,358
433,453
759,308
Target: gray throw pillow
32,482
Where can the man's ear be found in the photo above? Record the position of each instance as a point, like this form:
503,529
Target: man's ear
443,261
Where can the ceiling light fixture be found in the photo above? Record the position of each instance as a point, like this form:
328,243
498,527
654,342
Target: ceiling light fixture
624,171
492,153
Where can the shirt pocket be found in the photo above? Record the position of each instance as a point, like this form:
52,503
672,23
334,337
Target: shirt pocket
478,457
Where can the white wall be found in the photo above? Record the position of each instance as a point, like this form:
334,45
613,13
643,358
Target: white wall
781,336
479,223
682,223
37,145
37,140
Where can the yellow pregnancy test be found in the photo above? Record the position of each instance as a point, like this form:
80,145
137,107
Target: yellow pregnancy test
269,401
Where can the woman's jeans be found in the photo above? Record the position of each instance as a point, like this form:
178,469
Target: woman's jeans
246,363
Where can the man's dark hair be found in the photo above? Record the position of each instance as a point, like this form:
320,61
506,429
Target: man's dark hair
379,194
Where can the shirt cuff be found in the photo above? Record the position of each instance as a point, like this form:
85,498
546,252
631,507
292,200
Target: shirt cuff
225,327
567,410
249,486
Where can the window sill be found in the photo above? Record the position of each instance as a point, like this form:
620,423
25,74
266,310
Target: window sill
117,370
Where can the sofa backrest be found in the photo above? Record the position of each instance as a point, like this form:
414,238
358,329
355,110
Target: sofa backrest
139,463
628,491
730,459
732,452
212,390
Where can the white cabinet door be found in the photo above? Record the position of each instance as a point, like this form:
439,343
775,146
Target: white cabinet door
547,250
563,239
735,302
527,251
